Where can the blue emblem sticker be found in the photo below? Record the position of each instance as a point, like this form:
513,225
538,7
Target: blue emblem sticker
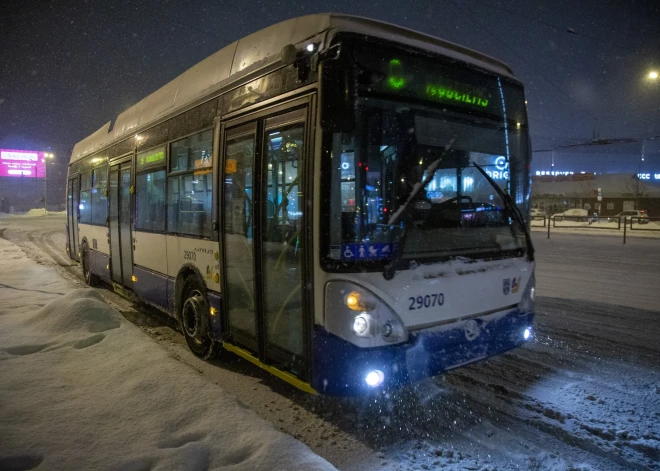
367,251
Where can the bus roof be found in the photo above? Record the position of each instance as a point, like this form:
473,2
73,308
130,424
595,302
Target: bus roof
254,53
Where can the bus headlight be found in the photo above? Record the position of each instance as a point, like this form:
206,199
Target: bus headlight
357,315
526,303
374,378
363,325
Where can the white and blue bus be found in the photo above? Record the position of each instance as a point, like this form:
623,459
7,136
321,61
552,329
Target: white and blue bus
341,201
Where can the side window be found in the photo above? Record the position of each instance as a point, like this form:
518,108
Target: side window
238,186
99,198
190,185
150,201
85,204
150,190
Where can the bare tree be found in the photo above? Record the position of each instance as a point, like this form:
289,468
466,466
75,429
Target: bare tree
637,189
588,189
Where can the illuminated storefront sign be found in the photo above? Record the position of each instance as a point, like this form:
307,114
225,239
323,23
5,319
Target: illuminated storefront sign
553,173
648,176
501,171
21,163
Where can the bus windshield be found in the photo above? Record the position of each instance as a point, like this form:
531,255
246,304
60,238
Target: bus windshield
457,213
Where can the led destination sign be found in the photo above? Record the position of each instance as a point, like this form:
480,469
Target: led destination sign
427,79
443,93
442,88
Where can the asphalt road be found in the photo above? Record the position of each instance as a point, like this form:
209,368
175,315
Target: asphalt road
583,394
599,268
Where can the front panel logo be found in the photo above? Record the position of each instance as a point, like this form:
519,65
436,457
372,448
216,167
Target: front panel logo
510,285
515,284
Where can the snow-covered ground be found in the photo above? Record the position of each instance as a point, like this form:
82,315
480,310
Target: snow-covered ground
583,395
82,388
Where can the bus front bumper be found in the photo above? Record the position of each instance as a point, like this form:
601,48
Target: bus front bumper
343,369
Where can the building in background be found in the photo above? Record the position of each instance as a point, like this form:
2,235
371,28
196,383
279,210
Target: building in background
604,175
606,194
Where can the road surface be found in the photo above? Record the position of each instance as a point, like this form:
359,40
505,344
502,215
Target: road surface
584,394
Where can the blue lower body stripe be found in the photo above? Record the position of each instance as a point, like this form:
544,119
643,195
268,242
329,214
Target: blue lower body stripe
340,368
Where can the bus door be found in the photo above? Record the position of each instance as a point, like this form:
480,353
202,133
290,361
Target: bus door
263,249
73,215
121,243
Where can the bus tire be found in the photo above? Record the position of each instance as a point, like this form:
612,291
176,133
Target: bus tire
194,317
90,278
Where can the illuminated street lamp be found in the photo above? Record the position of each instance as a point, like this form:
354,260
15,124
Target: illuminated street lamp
47,155
653,75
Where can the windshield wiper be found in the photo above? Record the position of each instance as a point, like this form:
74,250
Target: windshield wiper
508,201
419,186
399,242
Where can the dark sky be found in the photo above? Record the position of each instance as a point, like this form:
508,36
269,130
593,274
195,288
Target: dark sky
68,67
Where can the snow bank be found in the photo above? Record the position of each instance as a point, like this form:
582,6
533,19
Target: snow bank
36,212
81,388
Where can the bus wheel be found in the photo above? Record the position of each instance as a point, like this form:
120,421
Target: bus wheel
195,320
90,278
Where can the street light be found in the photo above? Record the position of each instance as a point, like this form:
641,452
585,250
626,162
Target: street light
47,155
653,75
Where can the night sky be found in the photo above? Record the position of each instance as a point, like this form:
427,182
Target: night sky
69,67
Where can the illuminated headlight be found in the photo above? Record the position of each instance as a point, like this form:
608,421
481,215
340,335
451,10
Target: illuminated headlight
527,333
357,315
374,378
526,303
362,325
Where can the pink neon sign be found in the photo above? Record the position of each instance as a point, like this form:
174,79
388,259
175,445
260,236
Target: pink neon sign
21,163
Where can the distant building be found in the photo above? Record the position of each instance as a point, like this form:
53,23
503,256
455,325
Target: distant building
606,194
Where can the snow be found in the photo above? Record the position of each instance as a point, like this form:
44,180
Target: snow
82,388
583,394
35,212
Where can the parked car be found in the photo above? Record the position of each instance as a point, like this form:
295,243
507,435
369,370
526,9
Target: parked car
536,213
625,215
578,215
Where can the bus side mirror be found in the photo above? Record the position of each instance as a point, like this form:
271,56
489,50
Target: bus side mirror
337,95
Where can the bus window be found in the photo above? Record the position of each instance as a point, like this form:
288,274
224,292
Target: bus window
282,239
239,258
85,204
150,201
190,194
99,198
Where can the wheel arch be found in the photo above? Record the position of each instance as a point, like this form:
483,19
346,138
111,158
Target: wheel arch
185,272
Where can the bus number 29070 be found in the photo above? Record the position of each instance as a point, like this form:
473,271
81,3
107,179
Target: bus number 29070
429,300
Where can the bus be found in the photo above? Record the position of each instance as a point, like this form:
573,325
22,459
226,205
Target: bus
340,201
